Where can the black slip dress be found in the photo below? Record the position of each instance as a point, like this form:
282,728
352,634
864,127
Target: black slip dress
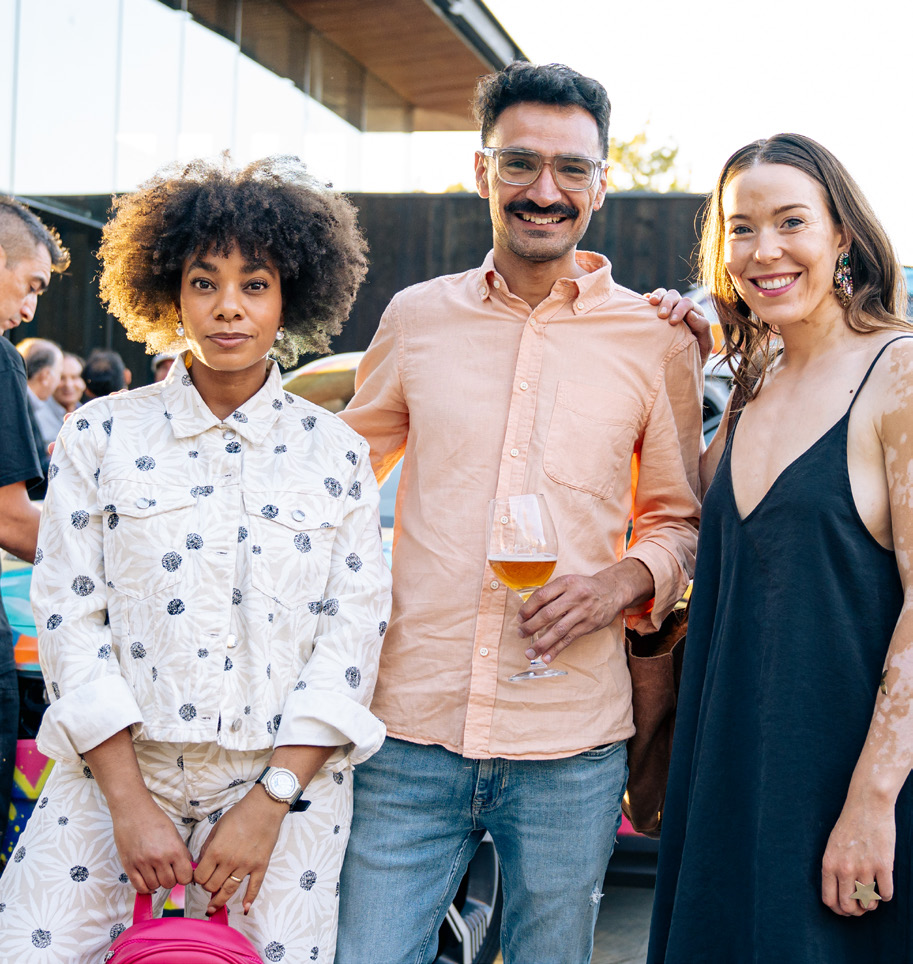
791,618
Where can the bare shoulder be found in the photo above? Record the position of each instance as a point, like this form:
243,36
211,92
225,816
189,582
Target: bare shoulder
890,394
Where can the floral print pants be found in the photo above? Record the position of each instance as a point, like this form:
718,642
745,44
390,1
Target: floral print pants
64,895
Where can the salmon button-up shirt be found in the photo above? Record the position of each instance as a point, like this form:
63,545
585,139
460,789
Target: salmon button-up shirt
589,399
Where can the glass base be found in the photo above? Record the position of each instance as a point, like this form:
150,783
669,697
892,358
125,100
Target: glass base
537,670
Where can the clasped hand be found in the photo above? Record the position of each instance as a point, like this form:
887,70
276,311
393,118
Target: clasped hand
239,845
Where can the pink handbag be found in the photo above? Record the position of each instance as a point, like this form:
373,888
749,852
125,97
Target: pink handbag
180,940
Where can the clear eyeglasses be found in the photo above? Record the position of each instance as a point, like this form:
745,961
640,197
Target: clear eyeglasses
572,172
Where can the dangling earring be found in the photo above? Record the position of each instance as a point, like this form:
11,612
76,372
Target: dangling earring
179,331
280,334
843,279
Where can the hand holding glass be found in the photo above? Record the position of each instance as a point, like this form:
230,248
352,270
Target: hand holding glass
522,552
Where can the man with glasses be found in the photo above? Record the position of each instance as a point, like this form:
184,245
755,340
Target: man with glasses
534,373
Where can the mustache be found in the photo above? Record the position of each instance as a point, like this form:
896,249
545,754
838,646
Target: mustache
553,210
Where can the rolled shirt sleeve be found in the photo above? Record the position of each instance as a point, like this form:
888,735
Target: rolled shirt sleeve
89,699
666,485
329,705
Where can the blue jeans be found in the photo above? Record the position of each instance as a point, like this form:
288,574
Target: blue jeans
420,813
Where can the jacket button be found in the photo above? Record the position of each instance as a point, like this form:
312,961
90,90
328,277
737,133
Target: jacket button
235,726
298,515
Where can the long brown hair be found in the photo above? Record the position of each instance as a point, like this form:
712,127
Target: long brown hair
878,286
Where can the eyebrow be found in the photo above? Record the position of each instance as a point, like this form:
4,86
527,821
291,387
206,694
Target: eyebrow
779,210
247,268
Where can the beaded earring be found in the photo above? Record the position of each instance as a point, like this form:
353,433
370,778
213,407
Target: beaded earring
843,279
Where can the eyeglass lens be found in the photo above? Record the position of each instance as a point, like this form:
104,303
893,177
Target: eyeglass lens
523,167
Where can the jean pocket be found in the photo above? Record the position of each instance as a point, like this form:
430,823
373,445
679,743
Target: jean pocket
603,752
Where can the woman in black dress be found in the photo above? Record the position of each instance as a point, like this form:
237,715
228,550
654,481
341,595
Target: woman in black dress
788,825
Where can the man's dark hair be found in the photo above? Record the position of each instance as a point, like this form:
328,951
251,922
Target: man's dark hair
41,354
104,373
551,84
21,231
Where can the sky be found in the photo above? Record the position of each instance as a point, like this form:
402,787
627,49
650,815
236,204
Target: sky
707,76
713,75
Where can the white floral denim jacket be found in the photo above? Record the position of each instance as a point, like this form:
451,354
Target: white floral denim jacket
206,581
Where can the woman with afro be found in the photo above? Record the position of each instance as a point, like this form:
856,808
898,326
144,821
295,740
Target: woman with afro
209,589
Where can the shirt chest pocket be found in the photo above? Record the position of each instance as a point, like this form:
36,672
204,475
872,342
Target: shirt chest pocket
590,436
145,534
291,538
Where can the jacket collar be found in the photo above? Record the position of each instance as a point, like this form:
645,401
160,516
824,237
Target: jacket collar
190,415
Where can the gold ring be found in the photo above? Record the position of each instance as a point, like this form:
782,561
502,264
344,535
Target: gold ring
865,893
240,880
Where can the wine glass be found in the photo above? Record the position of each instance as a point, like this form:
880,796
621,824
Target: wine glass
522,552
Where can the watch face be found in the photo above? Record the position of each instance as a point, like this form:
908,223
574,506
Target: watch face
282,783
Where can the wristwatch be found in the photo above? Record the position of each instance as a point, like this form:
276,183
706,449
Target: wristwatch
282,786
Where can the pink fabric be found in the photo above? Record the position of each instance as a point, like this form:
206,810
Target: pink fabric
177,940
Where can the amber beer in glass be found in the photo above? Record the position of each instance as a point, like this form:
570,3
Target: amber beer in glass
522,553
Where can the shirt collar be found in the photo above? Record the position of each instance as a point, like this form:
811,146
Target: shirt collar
587,292
190,415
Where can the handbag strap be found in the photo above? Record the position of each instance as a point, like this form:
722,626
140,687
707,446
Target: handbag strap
142,909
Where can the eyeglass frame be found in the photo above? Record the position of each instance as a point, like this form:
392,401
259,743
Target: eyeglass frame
599,166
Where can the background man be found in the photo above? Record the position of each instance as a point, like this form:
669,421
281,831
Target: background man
43,368
534,373
29,254
105,373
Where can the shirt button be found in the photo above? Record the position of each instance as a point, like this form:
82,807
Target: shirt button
482,292
524,386
229,434
504,520
143,503
232,642
235,726
580,306
532,321
495,584
298,515
514,452
483,651
496,283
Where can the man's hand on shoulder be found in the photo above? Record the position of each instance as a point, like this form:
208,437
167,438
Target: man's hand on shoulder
573,606
676,309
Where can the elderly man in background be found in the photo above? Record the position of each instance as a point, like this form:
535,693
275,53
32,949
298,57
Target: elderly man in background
43,367
29,254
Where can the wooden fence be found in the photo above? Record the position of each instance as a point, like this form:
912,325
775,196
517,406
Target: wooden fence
649,238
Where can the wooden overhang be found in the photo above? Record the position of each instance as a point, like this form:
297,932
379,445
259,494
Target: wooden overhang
430,52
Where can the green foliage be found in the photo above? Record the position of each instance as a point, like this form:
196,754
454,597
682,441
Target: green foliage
636,166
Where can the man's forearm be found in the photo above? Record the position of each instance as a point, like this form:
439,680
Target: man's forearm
19,518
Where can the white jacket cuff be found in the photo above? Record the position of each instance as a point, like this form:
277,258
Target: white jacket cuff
87,716
325,719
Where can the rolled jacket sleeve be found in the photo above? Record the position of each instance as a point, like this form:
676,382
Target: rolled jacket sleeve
89,699
666,485
329,705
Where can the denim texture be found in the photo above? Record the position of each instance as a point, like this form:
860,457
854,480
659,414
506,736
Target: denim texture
420,813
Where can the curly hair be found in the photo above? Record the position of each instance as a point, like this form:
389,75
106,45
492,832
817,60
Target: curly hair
750,344
556,85
270,209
